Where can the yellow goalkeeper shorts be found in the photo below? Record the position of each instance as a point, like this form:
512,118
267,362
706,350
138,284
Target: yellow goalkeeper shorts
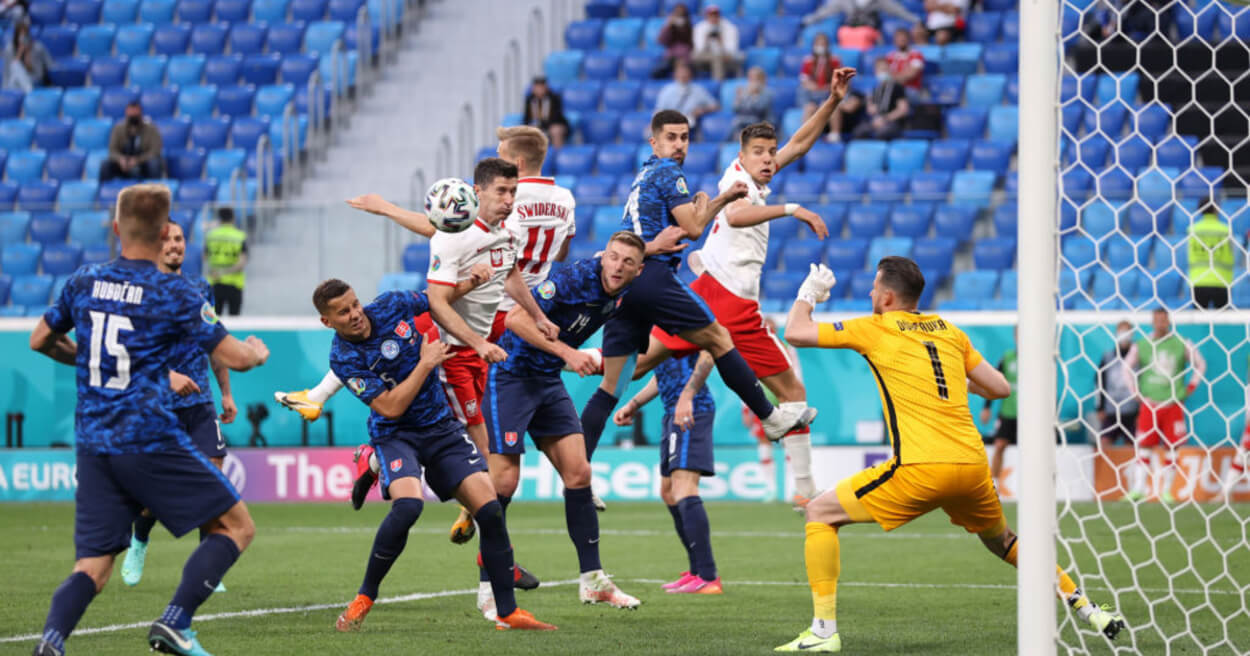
893,495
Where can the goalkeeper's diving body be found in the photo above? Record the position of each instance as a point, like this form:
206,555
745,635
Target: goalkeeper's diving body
925,367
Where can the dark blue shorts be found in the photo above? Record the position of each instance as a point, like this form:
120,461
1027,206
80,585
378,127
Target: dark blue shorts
514,406
200,422
445,452
656,298
688,449
180,486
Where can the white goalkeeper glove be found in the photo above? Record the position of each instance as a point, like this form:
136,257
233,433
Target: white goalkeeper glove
815,289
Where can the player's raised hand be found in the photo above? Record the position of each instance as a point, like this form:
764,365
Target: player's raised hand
183,385
581,363
813,221
841,83
735,191
491,352
667,241
228,410
371,203
435,351
625,416
258,346
815,289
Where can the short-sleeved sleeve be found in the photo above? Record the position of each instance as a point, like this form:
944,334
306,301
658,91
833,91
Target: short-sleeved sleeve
198,320
362,382
856,334
208,295
60,316
444,260
972,357
545,291
672,187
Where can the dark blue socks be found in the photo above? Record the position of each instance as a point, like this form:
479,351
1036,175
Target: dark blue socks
738,376
497,555
143,528
389,542
69,602
681,535
482,575
583,522
595,418
200,576
698,537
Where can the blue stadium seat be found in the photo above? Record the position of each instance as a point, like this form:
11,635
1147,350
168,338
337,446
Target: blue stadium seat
272,100
1155,187
997,253
416,258
13,227
845,188
934,255
1004,219
887,186
716,127
979,285
261,69
984,27
6,284
10,103
1115,183
600,65
867,221
907,155
865,156
235,100
185,70
1119,253
197,101
911,220
930,186
194,194
185,164
964,123
25,166
346,11
641,8
46,12
270,11
584,34
985,90
37,195
195,11
134,39
157,12
159,102
1108,119
209,38
622,34
991,155
607,219
82,12
613,160
862,282
582,96
32,291
700,159
210,133
1071,114
224,162
42,102
65,165
972,188
246,38
48,228
766,57
92,133
398,282
1093,151
119,11
309,10
635,125
727,154
223,70
792,61
105,71
69,71
53,133
113,101
960,58
593,190
621,96
824,157
61,259
146,71
286,38
1153,121
60,40
96,254
798,254
640,64
1176,151
232,11
17,133
881,247
562,66
945,89
1112,86
171,39
781,285
95,40
802,188
246,131
174,132
954,222
575,160
20,259
77,195
780,32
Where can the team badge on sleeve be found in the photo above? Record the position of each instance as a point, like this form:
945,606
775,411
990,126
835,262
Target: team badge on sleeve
837,325
356,385
436,263
390,349
681,185
207,315
547,289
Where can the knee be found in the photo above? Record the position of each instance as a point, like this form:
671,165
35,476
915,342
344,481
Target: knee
824,508
244,533
505,479
99,569
576,475
407,510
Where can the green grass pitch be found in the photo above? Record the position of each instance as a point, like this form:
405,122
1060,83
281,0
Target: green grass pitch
927,588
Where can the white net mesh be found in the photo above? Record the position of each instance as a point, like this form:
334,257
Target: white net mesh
1154,110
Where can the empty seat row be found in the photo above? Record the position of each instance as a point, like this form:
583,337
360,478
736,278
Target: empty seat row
191,100
46,196
102,40
163,12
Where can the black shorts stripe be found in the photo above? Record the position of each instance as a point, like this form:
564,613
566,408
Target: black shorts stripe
859,494
890,414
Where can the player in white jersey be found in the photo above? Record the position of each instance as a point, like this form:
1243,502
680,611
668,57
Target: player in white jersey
733,259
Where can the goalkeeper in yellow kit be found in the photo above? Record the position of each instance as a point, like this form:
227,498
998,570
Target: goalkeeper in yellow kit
924,367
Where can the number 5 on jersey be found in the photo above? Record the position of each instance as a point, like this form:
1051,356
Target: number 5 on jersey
104,330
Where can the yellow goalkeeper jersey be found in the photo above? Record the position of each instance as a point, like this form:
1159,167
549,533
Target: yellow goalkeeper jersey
921,363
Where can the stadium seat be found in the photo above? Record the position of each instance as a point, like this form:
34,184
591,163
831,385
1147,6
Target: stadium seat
43,102
911,220
802,188
13,227
954,222
584,34
593,190
6,284
881,247
930,186
25,165
575,160
984,27
582,96
92,133
635,125
972,188
640,64
210,133
194,194
865,156
780,31
146,71
781,285
261,70
907,155
1109,119
37,195
1005,220
715,127
208,38
65,165
133,39
602,66
964,123
232,11
69,71
607,219
17,133
321,36
767,58
60,259
309,10
887,186
77,194
621,96
867,221
621,34
286,38
223,70
20,259
960,58
272,100
95,40
798,254
701,159
997,253
984,90
82,12
824,157
119,12
96,254
1176,151
991,155
949,154
246,38
185,164
416,258
246,131
346,11
53,133
978,285
10,103
157,12
1112,86
845,188
613,160
45,12
195,11
185,70
197,101
1092,151
223,163
32,291
158,102
935,255
113,101
235,100
945,89
106,71
174,132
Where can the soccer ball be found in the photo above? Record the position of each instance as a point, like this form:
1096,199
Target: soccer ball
451,205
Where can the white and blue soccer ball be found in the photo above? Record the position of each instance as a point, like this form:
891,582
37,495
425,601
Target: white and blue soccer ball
451,205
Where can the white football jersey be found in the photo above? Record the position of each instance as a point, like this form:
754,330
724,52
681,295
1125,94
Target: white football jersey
541,223
453,255
735,256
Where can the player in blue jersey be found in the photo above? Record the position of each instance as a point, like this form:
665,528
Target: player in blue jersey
685,456
525,394
661,210
192,402
129,318
393,368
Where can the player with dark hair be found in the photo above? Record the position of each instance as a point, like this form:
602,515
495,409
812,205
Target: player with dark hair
525,394
192,403
132,453
925,368
662,211
393,368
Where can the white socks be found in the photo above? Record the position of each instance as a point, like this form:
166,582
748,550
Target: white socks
824,628
799,453
325,389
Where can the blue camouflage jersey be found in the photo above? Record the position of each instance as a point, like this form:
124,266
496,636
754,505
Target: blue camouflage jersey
385,358
657,189
129,318
192,362
573,299
671,375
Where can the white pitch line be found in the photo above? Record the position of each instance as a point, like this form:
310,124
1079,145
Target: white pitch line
418,596
626,532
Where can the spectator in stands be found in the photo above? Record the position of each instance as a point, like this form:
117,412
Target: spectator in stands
225,250
861,27
544,110
887,109
906,63
134,148
753,101
685,96
846,117
816,74
677,37
919,34
26,61
1211,257
716,44
13,12
945,19
1117,403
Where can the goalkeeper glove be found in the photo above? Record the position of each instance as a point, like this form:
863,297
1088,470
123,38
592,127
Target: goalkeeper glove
815,289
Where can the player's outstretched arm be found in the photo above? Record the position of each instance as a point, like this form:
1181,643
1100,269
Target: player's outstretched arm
413,221
668,241
801,329
984,380
522,324
441,297
55,345
807,134
694,216
625,416
741,213
393,403
241,355
514,284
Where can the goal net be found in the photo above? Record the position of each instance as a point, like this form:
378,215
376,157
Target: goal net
1152,111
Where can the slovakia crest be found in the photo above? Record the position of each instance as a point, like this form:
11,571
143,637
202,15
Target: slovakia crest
390,349
510,438
396,464
403,329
